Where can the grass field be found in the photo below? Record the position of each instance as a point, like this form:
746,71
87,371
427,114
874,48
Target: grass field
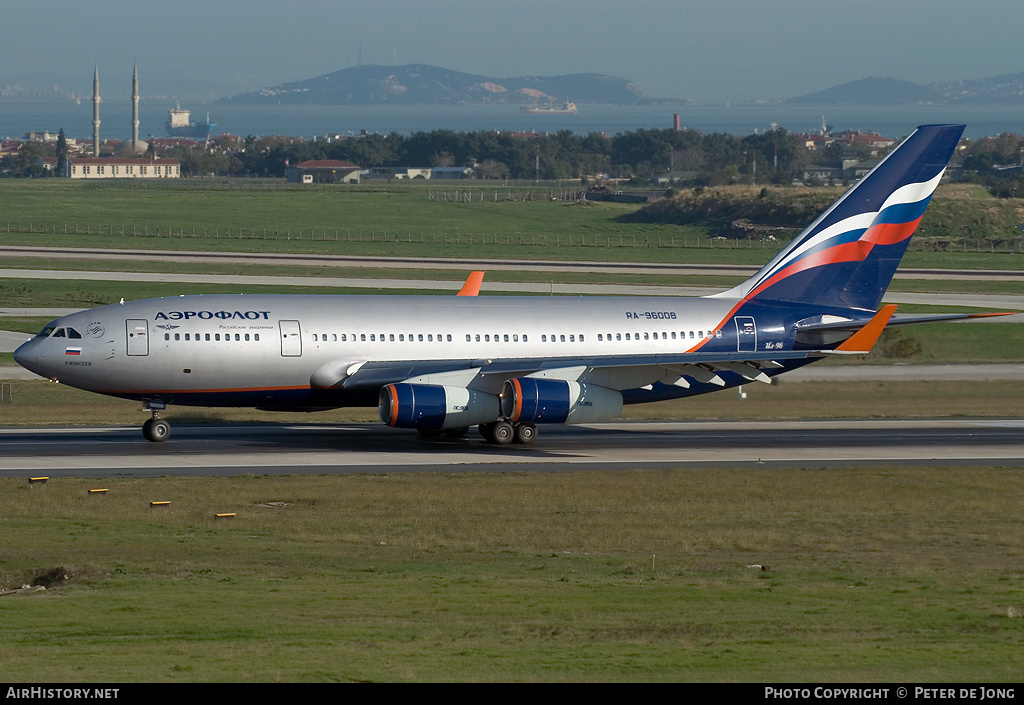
355,220
884,575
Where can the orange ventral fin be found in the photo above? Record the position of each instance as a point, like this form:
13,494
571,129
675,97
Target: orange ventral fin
863,340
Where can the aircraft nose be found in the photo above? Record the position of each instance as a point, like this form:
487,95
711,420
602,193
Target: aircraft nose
27,355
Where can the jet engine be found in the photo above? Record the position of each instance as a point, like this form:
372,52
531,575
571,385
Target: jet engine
434,407
537,400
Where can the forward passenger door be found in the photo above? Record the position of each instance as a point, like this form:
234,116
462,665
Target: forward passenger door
291,339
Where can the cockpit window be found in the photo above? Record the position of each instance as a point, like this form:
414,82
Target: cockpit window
72,333
45,332
59,333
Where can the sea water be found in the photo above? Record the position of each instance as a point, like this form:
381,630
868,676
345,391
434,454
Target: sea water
318,121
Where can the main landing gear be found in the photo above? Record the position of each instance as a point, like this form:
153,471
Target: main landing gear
155,429
498,432
504,432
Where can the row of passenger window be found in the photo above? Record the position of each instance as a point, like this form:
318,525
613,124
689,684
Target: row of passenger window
508,337
382,337
664,336
212,336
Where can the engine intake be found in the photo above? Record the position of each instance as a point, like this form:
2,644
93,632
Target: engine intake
435,407
538,400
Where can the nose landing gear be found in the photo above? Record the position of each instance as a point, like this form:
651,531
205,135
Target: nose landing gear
155,430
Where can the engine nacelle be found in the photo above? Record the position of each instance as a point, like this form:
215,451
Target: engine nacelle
435,407
538,400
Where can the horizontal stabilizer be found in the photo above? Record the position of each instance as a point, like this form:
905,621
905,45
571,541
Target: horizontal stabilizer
855,325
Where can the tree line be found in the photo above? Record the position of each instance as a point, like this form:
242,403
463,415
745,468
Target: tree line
709,159
689,157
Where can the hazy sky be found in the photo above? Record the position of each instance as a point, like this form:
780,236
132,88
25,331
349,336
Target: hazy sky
711,50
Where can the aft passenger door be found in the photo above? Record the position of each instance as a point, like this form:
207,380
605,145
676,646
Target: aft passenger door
138,336
746,334
291,339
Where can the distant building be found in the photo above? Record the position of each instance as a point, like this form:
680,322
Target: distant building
41,136
123,168
826,174
677,176
160,144
398,172
872,140
851,170
813,141
451,172
323,171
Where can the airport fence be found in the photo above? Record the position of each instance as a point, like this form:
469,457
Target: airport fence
971,245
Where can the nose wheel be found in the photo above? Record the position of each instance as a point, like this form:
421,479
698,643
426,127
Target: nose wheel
156,430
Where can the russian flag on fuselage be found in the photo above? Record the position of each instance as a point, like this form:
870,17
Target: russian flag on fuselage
847,257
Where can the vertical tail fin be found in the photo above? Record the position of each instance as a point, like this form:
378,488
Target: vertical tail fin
847,257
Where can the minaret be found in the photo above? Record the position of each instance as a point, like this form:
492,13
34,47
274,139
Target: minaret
96,111
135,110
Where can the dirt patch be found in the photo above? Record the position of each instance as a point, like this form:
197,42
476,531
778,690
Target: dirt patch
48,579
54,577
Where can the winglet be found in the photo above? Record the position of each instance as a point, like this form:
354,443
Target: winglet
863,340
472,285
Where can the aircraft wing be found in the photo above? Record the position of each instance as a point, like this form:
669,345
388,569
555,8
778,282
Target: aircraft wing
612,371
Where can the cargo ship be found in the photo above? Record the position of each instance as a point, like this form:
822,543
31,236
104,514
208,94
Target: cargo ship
179,125
534,109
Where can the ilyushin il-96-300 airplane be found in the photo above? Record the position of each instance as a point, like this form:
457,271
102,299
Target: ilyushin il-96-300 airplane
441,364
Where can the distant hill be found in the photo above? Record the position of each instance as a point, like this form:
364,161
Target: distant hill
1005,89
418,84
872,91
1008,88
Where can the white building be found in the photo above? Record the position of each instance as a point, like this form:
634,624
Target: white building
123,168
398,172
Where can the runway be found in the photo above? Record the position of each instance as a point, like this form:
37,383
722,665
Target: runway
285,449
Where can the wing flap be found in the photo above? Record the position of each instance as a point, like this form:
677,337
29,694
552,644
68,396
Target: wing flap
613,371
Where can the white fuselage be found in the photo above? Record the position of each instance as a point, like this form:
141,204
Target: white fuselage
199,349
